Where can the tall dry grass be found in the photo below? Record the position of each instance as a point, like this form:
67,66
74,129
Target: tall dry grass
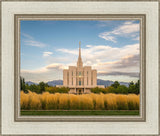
47,101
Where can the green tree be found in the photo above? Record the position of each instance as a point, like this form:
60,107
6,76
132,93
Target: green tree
134,88
52,89
27,86
42,87
111,89
137,87
34,88
23,85
122,89
97,90
131,83
131,88
115,84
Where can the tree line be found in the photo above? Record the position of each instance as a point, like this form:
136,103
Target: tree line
41,87
114,88
119,89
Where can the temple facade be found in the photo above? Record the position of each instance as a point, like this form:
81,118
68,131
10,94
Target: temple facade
80,79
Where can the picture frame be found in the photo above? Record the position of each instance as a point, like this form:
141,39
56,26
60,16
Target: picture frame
102,122
18,18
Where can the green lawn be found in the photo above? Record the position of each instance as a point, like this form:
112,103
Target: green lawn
63,113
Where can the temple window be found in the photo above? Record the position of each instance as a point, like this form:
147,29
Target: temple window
79,82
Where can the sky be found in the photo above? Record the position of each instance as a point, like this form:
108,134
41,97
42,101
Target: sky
110,46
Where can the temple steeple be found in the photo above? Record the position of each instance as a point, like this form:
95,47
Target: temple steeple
79,62
80,49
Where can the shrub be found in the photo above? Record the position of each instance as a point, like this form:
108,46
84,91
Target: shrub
99,102
86,103
35,103
110,101
57,101
49,101
122,102
133,102
74,102
64,101
24,101
97,90
57,89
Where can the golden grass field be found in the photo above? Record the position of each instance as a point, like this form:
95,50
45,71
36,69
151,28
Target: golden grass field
57,101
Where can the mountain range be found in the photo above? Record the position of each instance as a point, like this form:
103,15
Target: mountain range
99,82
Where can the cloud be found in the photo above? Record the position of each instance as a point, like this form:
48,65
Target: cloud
128,29
136,38
88,46
27,36
34,43
107,23
57,66
30,41
106,58
109,61
103,53
107,36
128,61
114,73
75,52
46,54
48,73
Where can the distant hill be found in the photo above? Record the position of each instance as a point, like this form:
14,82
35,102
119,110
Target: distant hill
99,82
31,83
104,82
108,82
55,82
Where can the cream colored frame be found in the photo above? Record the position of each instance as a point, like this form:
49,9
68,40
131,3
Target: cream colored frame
16,113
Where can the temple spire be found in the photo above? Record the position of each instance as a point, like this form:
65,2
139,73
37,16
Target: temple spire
80,49
79,62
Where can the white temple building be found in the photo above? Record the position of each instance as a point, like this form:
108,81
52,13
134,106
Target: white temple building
80,79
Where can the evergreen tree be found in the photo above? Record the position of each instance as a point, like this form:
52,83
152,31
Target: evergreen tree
137,87
20,83
23,85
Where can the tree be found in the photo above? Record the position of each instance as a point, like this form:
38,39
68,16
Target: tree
34,88
137,87
42,87
23,85
115,84
131,83
122,89
111,89
97,90
52,89
131,89
134,88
